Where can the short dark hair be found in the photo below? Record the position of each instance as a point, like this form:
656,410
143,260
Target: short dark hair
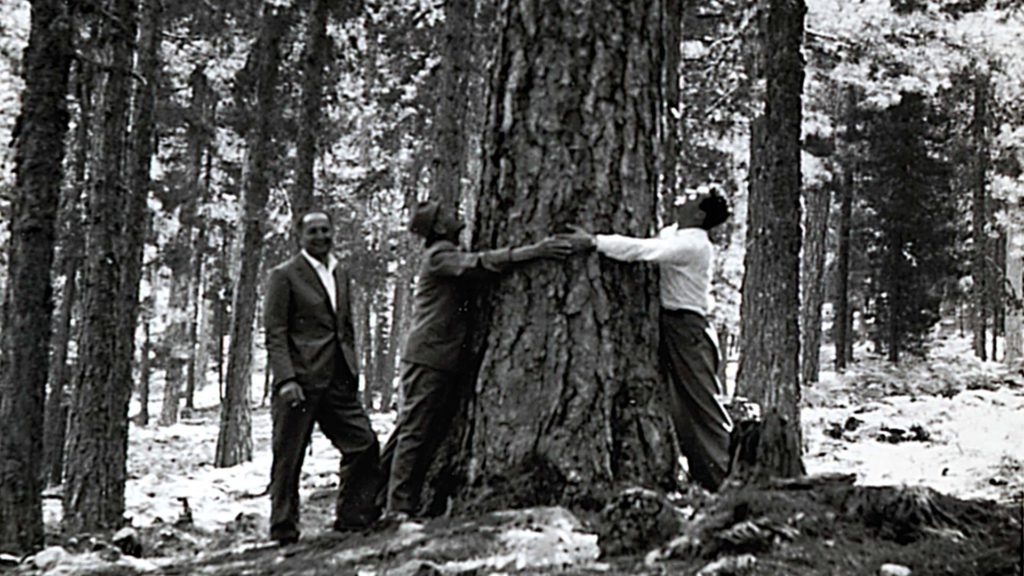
716,210
300,222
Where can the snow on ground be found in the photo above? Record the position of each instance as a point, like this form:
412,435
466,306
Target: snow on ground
964,418
974,446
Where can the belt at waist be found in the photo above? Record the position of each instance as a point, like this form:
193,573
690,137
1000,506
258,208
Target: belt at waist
682,313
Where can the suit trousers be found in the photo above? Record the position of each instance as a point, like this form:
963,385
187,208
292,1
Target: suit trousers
703,427
423,420
336,408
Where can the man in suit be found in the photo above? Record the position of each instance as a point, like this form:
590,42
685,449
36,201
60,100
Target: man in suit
311,352
434,359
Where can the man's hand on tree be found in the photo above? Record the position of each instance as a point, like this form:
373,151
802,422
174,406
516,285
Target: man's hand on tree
581,239
552,247
292,394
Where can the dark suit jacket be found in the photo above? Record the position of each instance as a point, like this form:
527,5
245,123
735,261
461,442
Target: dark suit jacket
303,333
447,280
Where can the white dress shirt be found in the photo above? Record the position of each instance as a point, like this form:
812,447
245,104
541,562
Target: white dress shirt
326,275
684,255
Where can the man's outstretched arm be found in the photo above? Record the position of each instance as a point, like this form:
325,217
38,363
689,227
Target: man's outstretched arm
630,249
454,262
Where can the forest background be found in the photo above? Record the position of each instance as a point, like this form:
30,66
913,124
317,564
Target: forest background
158,152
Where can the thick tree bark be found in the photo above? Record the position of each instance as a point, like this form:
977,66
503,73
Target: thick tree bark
97,441
980,218
449,161
812,279
567,404
302,194
234,442
27,306
72,253
769,360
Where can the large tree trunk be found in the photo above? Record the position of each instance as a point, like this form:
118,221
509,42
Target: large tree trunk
567,404
27,306
1015,281
769,366
812,279
234,442
72,254
314,53
449,162
98,423
980,218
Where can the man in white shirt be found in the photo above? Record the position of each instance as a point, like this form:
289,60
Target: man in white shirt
688,350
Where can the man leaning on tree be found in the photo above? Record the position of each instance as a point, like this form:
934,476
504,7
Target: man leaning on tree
435,359
311,352
688,349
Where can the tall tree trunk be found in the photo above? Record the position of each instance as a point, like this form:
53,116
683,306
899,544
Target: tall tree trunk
980,217
1015,281
997,285
183,255
314,54
27,305
234,442
142,419
672,115
400,312
894,263
97,441
769,360
364,340
71,242
449,162
812,279
568,402
221,311
384,358
842,321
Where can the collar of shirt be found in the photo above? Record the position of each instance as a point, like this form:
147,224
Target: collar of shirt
317,265
326,275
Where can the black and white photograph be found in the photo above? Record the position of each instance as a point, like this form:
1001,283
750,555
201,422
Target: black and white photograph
512,287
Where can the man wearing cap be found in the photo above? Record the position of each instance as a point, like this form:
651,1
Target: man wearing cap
688,348
434,355
311,352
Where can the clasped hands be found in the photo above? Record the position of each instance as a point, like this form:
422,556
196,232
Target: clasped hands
564,244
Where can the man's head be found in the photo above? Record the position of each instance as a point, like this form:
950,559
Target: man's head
704,211
432,222
316,233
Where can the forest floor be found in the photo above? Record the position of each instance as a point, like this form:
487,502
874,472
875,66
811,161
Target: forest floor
936,449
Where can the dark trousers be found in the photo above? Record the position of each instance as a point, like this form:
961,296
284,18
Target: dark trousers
423,420
336,408
690,358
